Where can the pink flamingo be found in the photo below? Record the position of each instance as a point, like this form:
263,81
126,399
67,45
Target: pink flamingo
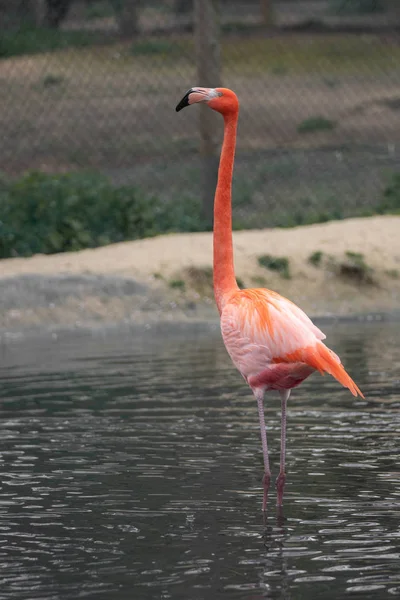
270,340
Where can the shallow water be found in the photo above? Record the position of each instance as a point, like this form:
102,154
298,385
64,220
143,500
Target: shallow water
131,467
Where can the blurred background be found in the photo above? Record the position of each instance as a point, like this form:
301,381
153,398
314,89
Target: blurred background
93,152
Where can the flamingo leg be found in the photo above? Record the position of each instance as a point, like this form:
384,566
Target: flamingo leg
280,481
267,470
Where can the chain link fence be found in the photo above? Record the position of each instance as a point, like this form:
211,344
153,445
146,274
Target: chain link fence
319,127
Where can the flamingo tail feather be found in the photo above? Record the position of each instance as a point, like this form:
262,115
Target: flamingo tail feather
324,360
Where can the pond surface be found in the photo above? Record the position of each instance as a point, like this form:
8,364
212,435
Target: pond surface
131,467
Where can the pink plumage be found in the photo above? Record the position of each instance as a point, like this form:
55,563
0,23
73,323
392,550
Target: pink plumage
274,344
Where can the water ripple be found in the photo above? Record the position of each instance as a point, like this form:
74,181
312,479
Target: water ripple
131,467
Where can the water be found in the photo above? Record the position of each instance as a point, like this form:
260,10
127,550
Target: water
131,468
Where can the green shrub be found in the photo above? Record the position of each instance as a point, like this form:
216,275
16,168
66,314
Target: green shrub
390,202
43,213
316,124
275,263
32,41
315,258
354,267
177,284
51,80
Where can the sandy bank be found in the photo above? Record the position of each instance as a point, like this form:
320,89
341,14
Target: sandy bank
172,275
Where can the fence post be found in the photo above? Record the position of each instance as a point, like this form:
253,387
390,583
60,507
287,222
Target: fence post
208,75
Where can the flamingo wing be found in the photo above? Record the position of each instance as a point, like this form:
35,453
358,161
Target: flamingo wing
265,333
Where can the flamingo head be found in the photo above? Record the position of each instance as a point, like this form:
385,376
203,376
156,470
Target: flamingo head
222,100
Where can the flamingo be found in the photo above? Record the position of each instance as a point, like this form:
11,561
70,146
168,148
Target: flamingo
271,341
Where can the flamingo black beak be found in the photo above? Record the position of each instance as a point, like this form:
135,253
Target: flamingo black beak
185,101
197,94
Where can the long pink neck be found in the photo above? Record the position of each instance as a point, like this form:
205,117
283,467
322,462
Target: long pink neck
224,275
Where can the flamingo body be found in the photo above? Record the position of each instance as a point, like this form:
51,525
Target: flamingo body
274,344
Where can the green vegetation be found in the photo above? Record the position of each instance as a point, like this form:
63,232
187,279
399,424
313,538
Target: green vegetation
43,213
316,124
320,208
354,267
393,273
177,284
34,41
275,263
319,204
51,80
315,258
391,197
355,256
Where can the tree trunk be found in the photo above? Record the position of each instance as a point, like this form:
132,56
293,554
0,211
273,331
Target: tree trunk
267,12
208,75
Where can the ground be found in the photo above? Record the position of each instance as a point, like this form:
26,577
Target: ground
169,277
318,136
